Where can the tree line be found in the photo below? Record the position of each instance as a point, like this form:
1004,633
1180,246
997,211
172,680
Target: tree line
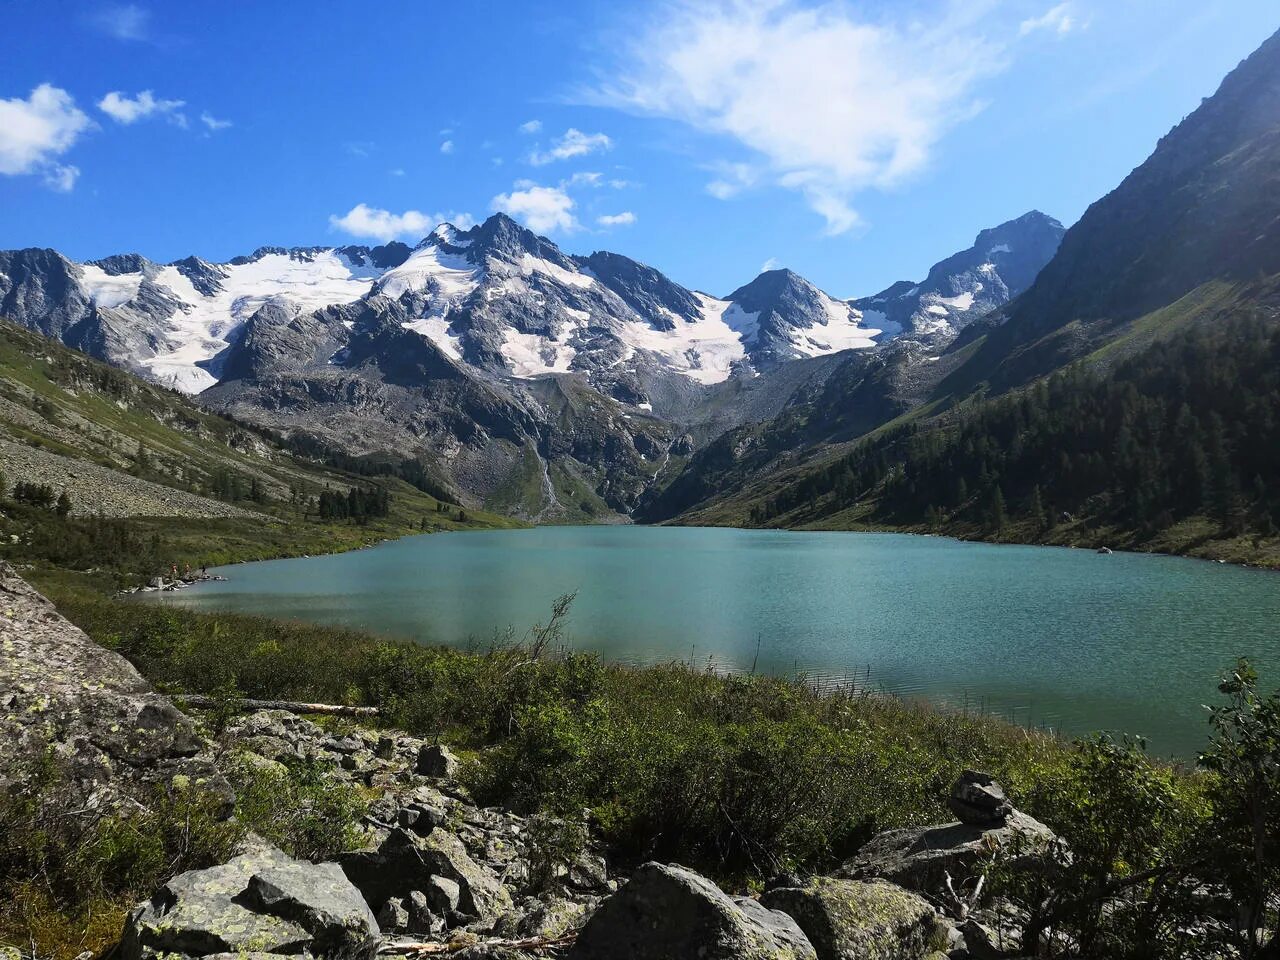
1189,427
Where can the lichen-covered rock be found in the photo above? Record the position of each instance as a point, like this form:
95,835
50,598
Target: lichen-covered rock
665,912
481,893
256,903
920,858
320,899
112,733
855,920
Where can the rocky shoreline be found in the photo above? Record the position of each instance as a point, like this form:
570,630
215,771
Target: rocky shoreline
434,873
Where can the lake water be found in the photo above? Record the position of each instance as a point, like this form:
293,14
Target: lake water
1049,637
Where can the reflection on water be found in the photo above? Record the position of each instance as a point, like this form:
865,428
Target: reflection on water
1047,637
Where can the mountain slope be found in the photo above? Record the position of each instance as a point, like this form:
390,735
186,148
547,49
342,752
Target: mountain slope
442,351
1002,263
121,447
1205,207
1159,322
862,390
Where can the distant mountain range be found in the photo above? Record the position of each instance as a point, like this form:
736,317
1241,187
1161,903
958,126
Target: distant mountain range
1128,395
574,388
548,385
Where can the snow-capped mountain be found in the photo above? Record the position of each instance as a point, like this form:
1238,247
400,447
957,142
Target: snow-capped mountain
170,322
782,316
537,382
496,297
1001,264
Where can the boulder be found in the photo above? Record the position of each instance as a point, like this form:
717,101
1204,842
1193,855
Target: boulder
919,858
405,862
319,898
978,800
264,902
852,919
443,894
481,893
437,760
62,695
666,912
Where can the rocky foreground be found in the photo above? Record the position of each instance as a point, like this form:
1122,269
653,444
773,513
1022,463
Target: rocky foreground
433,873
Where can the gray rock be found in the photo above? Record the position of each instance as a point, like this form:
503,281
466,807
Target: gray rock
978,800
421,921
919,858
62,694
851,919
393,917
481,893
405,862
320,899
666,912
263,902
443,894
437,760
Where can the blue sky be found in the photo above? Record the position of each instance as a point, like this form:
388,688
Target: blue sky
855,142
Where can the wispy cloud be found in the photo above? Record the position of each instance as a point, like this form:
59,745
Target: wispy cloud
35,131
1060,20
574,143
773,263
446,146
360,148
212,122
124,21
531,127
624,219
377,224
828,103
125,109
540,208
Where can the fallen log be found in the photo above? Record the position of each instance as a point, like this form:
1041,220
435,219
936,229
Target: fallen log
441,949
291,706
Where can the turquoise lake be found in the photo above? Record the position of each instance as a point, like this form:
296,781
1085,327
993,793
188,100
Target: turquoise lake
1046,637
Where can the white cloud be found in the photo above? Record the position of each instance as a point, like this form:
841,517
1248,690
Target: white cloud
446,146
398,172
773,263
124,21
732,179
371,222
624,219
122,109
61,178
36,130
587,178
829,103
574,143
1060,20
531,126
541,209
212,122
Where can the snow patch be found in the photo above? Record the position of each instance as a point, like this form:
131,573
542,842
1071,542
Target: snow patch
962,301
529,264
436,329
704,350
202,327
999,248
531,355
109,291
448,275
